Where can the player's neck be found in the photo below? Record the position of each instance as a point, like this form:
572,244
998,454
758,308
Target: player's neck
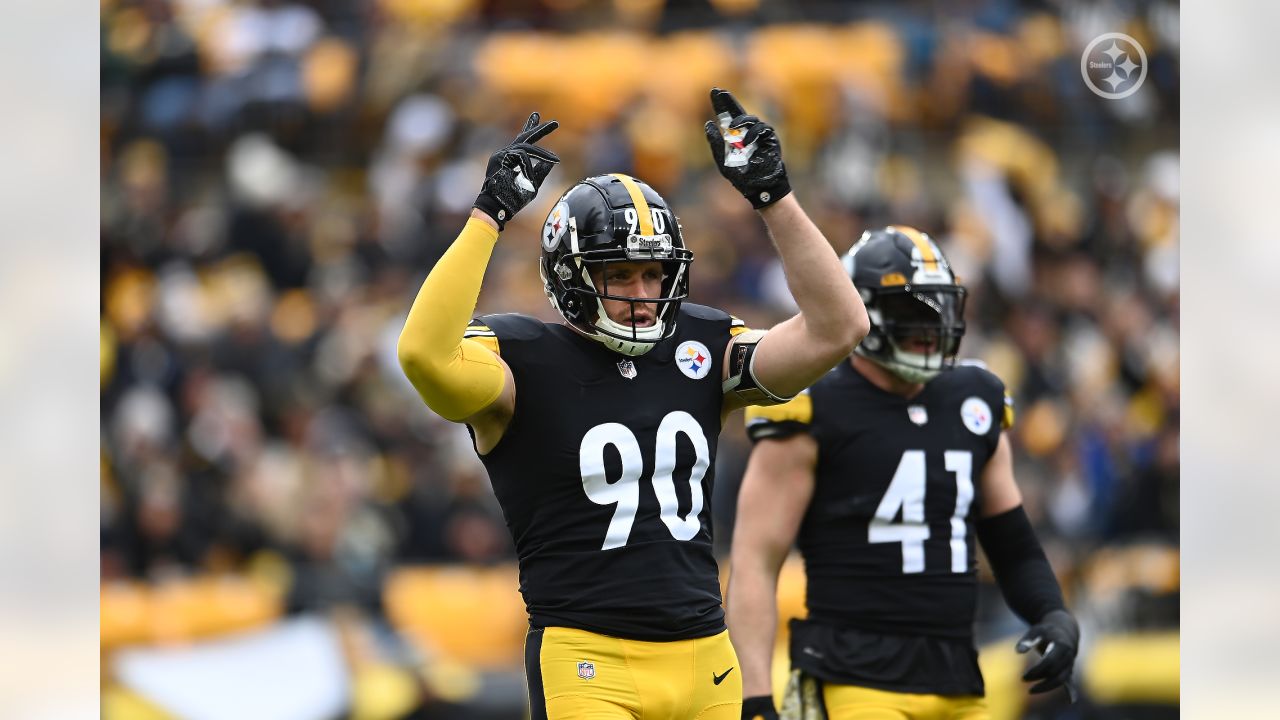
883,379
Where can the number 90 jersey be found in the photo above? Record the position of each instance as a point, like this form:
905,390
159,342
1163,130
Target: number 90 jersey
605,472
888,537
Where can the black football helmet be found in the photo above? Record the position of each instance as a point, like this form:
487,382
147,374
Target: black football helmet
608,219
915,304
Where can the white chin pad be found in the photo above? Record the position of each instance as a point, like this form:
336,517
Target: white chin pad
651,334
915,367
644,338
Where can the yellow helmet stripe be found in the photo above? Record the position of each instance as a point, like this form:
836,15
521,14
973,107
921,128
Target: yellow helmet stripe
922,243
637,199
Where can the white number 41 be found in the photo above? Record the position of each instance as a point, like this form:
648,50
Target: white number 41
906,492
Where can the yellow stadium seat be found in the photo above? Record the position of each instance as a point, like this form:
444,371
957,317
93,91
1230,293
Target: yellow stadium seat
1137,668
463,614
183,610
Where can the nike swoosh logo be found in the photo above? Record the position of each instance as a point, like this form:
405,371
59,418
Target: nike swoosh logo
717,679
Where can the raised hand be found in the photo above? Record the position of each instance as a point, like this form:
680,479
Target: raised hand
746,151
515,172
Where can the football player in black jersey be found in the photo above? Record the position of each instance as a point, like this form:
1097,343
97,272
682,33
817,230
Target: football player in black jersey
884,473
600,434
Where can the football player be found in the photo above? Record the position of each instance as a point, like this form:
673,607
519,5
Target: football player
599,434
884,473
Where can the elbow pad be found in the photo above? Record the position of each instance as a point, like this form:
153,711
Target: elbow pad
741,379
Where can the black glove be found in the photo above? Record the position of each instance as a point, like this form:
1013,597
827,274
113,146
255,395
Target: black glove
759,707
747,152
515,173
1057,638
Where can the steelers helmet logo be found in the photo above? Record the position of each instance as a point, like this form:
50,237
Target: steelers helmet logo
553,229
694,359
976,414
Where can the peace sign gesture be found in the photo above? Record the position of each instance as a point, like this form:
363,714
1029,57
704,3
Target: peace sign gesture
515,172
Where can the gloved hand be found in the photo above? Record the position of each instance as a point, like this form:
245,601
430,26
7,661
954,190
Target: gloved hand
759,707
747,152
514,173
1057,638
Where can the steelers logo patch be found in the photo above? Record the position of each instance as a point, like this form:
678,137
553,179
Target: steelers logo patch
553,228
976,415
694,359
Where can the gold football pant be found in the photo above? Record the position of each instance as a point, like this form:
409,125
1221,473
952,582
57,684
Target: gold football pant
579,675
810,699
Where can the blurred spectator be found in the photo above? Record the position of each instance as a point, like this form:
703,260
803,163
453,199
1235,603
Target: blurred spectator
277,178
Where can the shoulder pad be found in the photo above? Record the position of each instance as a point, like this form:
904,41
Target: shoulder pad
508,326
797,409
976,372
480,333
789,418
702,312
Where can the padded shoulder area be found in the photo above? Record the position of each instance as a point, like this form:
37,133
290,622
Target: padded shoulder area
507,326
702,312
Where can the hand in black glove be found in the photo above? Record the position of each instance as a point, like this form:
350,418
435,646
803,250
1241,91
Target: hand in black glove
747,152
515,173
1057,638
759,707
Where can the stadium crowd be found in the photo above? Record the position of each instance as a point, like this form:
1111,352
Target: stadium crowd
278,177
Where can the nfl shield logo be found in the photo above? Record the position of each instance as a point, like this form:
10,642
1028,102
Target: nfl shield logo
586,670
918,414
627,368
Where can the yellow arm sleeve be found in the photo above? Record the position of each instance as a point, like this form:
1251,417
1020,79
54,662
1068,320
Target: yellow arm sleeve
456,377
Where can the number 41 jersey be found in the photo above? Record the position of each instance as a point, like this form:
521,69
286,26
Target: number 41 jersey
605,472
888,538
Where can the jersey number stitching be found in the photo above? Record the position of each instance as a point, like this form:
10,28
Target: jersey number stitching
906,492
625,491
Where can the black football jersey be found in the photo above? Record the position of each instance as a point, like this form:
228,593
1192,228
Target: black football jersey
888,538
605,474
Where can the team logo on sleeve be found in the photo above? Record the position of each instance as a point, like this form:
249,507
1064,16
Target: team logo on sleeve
553,228
976,415
586,670
694,359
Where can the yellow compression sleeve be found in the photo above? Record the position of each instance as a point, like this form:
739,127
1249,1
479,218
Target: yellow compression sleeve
456,377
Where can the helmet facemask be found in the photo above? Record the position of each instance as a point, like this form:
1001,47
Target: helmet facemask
915,331
573,270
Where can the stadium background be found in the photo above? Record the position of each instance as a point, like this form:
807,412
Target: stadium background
288,532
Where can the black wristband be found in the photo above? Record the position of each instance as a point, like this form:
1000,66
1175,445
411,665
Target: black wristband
489,205
759,706
1023,572
764,198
